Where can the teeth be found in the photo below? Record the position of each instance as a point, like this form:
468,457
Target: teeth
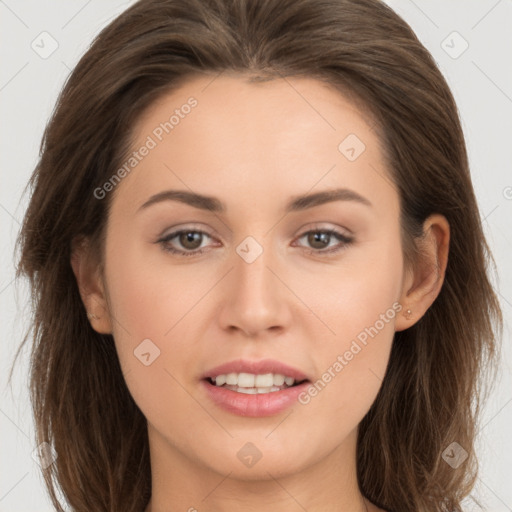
249,381
232,379
220,379
247,391
255,391
279,379
263,381
246,380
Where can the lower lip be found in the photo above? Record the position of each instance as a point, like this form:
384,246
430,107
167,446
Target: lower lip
258,405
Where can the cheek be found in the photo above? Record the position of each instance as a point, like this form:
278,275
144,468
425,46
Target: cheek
146,303
359,303
148,294
158,310
352,293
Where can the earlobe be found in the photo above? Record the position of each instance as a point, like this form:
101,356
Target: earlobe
423,284
91,286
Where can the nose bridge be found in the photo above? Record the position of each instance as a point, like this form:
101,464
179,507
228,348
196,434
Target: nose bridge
252,276
256,300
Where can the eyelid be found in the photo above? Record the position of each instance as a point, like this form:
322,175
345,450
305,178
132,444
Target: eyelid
184,227
325,226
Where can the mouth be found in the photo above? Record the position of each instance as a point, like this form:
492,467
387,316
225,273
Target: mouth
254,389
255,377
253,384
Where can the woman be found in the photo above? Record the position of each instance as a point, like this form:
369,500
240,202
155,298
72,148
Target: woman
259,272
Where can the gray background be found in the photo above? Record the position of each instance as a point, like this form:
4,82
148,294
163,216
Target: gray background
30,79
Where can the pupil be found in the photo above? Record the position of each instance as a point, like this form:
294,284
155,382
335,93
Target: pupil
319,237
188,238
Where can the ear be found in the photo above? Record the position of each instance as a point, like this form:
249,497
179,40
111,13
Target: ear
87,272
423,284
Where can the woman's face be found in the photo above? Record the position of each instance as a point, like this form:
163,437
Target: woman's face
270,283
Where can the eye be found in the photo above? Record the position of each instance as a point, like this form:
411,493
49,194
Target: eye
320,240
189,239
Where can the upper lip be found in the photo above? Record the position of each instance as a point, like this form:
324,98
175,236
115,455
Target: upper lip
257,368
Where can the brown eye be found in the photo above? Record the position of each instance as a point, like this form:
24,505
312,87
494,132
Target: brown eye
190,239
319,241
185,242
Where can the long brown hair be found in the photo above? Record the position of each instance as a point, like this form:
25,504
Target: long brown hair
429,396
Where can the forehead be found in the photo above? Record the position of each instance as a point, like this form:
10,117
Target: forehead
234,105
280,137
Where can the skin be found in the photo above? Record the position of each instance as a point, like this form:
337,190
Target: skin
255,146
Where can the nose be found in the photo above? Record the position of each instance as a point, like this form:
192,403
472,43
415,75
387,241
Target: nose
256,300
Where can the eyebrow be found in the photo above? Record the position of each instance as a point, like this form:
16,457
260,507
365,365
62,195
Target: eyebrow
297,203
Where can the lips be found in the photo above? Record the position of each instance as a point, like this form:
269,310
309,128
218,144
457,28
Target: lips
277,387
253,405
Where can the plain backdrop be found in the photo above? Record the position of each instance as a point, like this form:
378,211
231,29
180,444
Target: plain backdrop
41,41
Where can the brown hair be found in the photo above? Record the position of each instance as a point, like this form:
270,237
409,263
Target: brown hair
429,396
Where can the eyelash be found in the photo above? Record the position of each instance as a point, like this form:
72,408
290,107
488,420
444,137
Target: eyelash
344,239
